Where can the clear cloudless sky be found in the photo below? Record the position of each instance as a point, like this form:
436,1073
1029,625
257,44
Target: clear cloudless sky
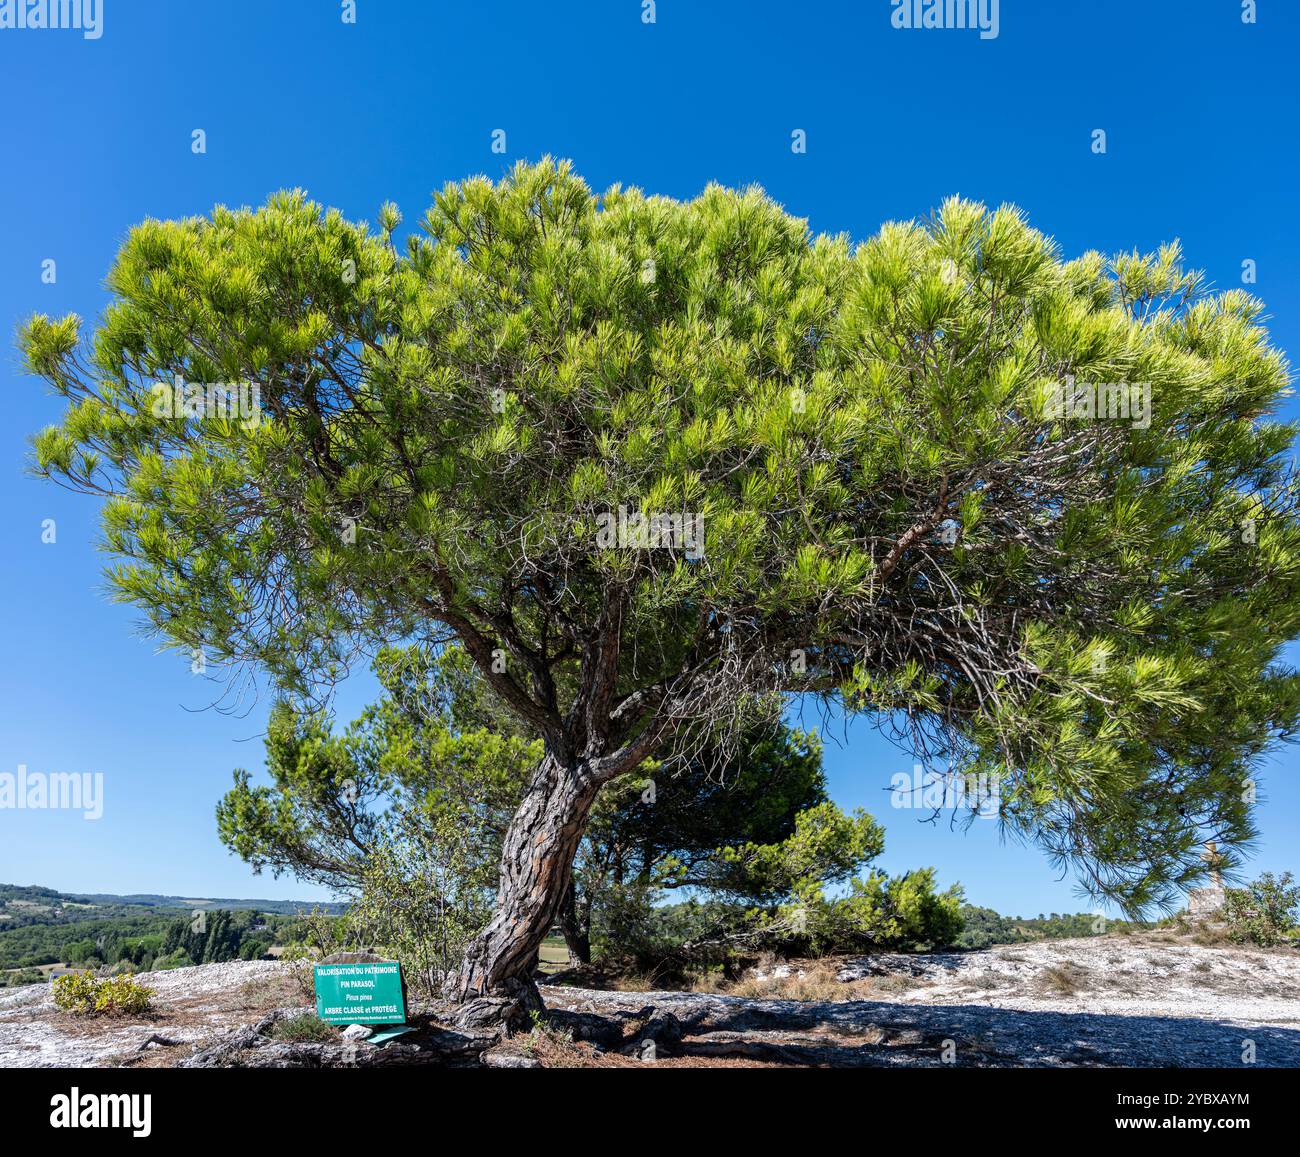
1200,112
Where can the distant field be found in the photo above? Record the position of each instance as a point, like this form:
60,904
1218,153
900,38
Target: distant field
554,955
44,969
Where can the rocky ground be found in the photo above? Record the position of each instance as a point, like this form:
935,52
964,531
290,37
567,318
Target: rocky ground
191,1005
1129,1001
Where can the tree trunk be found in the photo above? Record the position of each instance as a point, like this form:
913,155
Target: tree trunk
577,934
536,866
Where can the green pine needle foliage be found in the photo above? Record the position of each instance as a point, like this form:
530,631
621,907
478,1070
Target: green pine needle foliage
1090,610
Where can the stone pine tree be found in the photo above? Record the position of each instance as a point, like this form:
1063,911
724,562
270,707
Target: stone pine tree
436,754
908,498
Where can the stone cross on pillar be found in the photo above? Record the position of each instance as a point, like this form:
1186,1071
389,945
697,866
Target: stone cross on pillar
1208,902
1211,856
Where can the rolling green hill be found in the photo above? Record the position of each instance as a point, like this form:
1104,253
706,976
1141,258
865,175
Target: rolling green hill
40,927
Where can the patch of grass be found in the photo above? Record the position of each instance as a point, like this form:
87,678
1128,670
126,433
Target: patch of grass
813,987
895,982
635,982
302,973
558,1050
985,980
1125,981
553,955
304,1028
817,981
707,982
266,993
753,988
1063,979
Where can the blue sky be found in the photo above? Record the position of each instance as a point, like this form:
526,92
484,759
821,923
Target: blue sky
1200,115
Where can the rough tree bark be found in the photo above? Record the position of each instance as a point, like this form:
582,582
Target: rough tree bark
536,866
598,739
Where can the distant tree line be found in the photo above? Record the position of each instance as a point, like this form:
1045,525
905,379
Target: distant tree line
144,942
213,937
32,945
983,927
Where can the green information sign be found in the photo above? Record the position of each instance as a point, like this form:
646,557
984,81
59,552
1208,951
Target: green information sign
360,993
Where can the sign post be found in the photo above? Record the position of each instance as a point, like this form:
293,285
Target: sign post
360,993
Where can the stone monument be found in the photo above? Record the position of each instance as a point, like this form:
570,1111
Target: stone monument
1207,903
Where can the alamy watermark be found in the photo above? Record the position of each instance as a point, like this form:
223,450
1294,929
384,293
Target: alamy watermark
78,1110
182,399
978,792
55,791
981,15
636,530
1101,401
54,15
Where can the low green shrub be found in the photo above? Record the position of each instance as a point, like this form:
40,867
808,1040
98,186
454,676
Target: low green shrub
1263,912
305,1027
82,994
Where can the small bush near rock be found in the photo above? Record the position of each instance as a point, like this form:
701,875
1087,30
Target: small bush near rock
74,992
303,1028
82,994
